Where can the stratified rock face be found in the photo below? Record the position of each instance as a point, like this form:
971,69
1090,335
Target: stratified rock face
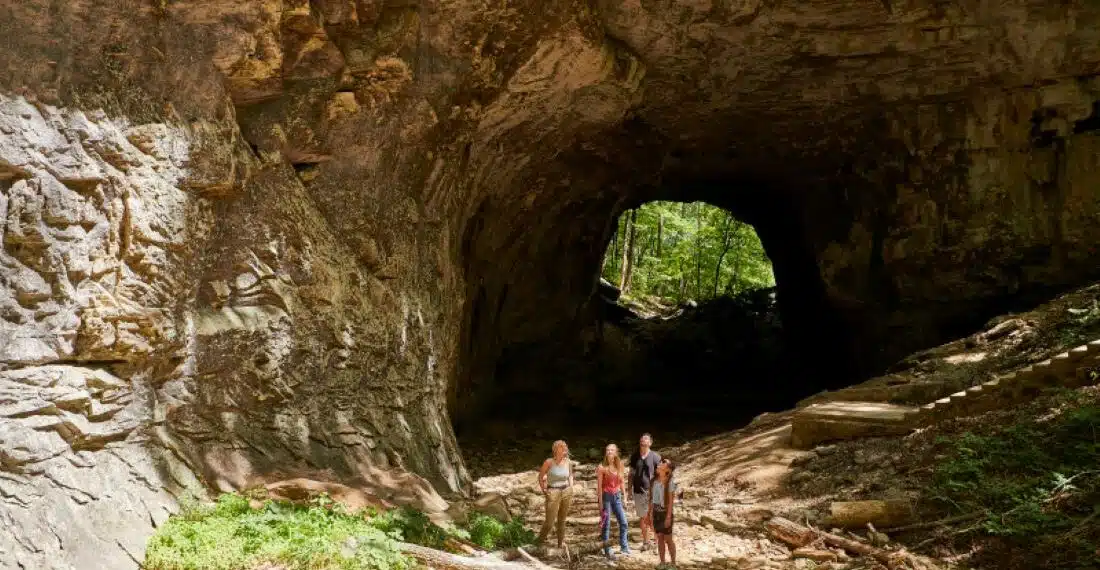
243,238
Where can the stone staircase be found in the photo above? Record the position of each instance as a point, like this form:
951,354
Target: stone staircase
838,420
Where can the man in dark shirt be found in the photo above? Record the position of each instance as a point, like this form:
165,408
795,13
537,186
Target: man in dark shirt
643,469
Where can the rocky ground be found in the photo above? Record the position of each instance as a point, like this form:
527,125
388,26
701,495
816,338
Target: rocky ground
734,481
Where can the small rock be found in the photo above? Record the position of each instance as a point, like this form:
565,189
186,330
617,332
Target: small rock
825,450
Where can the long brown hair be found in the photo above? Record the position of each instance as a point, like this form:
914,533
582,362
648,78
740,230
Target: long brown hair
616,463
668,484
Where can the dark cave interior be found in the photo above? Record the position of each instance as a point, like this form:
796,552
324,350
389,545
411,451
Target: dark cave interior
545,343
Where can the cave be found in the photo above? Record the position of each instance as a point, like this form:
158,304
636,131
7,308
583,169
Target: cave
326,235
550,345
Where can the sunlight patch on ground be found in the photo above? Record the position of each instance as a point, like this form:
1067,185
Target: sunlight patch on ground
966,357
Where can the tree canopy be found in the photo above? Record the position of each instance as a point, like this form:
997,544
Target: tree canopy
680,251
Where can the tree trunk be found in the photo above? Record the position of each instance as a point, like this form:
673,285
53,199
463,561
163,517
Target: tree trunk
731,288
698,251
856,514
614,252
726,241
683,281
628,253
660,232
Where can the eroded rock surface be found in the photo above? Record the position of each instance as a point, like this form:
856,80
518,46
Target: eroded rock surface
254,239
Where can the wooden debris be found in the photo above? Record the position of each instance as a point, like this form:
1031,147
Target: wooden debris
534,561
799,536
858,514
789,532
447,561
941,522
815,554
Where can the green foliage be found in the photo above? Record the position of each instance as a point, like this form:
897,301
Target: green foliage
411,525
489,533
230,535
683,251
1037,483
1083,323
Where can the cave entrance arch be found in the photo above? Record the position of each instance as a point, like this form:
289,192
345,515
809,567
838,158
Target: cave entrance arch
540,343
677,252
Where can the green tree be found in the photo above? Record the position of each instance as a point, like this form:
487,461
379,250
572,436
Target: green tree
681,251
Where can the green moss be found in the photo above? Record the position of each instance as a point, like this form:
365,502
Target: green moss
1036,484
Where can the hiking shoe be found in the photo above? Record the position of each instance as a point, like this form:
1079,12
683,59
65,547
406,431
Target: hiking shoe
623,552
645,547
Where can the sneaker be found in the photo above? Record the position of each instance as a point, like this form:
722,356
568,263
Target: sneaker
623,552
645,547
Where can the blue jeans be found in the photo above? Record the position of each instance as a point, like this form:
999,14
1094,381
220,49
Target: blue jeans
612,503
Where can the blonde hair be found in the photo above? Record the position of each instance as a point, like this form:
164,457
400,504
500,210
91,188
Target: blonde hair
616,463
559,443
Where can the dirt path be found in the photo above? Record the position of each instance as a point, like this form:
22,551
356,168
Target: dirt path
732,478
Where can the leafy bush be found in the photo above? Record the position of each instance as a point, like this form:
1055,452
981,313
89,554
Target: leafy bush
489,533
411,525
230,535
1037,485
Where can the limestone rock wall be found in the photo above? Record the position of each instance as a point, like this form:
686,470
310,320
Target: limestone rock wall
247,239
980,200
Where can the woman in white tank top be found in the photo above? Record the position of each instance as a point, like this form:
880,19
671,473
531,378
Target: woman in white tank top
556,482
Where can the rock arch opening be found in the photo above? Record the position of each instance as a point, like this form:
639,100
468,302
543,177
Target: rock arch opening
545,339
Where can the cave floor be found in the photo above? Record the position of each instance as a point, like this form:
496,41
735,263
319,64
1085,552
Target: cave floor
736,480
732,483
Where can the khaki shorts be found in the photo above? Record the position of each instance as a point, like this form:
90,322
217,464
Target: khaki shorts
641,504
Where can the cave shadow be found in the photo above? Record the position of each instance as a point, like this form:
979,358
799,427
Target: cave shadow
598,367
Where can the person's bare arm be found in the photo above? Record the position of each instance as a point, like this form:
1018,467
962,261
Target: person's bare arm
542,475
669,499
599,485
572,480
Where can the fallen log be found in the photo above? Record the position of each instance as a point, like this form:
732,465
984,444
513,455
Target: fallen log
857,514
465,547
789,532
544,551
532,560
447,561
799,536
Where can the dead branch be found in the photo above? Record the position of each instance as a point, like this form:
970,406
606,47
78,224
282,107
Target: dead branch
798,536
931,524
447,561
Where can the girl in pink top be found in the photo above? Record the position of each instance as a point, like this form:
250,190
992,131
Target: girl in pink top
609,480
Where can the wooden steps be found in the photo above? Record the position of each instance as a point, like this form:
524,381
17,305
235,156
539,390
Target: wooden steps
838,420
848,420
